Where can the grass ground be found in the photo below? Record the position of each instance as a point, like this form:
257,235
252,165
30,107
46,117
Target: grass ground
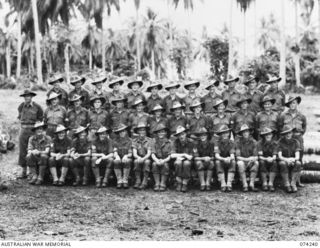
50,213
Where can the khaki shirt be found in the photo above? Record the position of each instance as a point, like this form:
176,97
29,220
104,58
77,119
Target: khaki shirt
209,101
162,148
168,102
218,121
61,146
256,97
81,146
132,97
151,102
105,146
246,147
195,123
241,118
297,121
122,146
29,114
118,117
39,142
64,101
233,96
188,99
270,120
279,96
78,118
267,148
98,120
288,147
55,116
224,147
173,123
85,95
142,145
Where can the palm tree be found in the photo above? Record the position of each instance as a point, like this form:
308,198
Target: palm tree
138,54
283,47
114,48
90,43
230,53
268,33
296,51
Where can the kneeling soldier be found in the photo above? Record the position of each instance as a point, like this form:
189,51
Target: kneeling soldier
122,156
141,148
225,161
183,150
289,156
60,155
205,159
81,152
267,152
38,153
246,152
161,156
102,156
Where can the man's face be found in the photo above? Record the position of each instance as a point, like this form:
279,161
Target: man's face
56,85
142,132
172,91
39,131
135,87
221,107
197,109
203,137
61,135
268,137
274,85
140,107
212,90
158,113
83,135
177,112
293,105
232,84
154,91
289,135
119,105
116,87
97,104
99,85
246,134
252,85
192,88
267,106
103,136
123,133
78,85
244,105
27,99
161,134
55,101
77,103
225,135
182,136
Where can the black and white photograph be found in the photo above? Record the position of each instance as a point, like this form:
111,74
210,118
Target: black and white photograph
159,120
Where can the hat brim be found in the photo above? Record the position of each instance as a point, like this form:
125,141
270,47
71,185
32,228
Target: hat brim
44,126
82,80
215,84
177,86
298,98
121,82
231,80
102,99
28,94
181,107
225,102
49,99
251,80
159,86
99,81
136,104
108,130
74,100
63,130
273,101
84,130
287,131
274,80
121,129
159,109
158,130
201,133
224,131
193,107
177,134
114,102
58,80
266,133
197,84
247,129
245,100
136,129
139,82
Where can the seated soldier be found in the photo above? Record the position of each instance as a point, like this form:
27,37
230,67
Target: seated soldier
183,151
267,152
102,156
38,153
205,159
122,156
289,157
60,155
247,156
224,150
141,148
161,157
80,154
156,118
177,119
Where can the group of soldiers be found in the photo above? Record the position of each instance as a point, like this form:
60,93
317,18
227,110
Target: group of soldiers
251,133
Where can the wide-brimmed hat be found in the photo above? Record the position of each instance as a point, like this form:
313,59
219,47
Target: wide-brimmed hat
75,97
138,101
99,79
273,79
28,93
243,99
231,79
250,79
154,85
179,130
244,127
287,129
291,99
138,81
39,124
140,126
52,95
223,129
119,99
120,128
102,130
56,78
160,127
214,83
156,108
195,103
172,85
80,129
118,80
60,128
220,101
94,98
266,130
177,105
76,78
267,99
201,130
187,85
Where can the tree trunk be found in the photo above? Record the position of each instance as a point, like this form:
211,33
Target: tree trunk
37,40
297,55
31,59
283,48
230,54
111,66
8,58
49,63
90,60
244,38
255,30
103,47
19,44
153,64
67,65
138,41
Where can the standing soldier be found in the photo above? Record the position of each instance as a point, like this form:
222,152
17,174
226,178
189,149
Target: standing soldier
38,153
231,94
135,93
119,114
275,93
55,114
60,155
298,121
80,154
102,156
210,98
122,156
224,150
156,118
55,81
154,98
221,118
77,82
142,149
161,156
29,113
289,157
205,159
177,119
183,153
192,95
247,157
171,98
99,91
138,116
116,93
254,94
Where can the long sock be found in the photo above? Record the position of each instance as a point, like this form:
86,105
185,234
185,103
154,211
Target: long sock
209,177
96,172
272,176
222,179
156,179
118,175
243,179
86,170
264,178
64,171
42,170
201,177
294,178
138,177
230,179
145,178
253,176
106,175
163,182
126,172
53,171
285,178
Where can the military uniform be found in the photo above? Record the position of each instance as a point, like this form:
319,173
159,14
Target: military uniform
54,116
98,120
104,94
118,117
241,117
77,118
188,99
64,101
168,103
173,123
153,122
279,96
218,121
197,122
256,97
153,101
162,149
131,97
60,146
85,97
233,96
267,149
209,101
270,120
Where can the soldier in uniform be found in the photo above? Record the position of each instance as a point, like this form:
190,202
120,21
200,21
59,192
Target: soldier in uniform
38,153
60,155
102,156
183,152
231,94
119,114
204,161
254,94
55,81
210,98
171,98
161,156
116,93
156,118
99,91
177,119
29,113
275,93
135,92
192,95
142,149
139,115
247,157
221,118
154,98
55,114
77,82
